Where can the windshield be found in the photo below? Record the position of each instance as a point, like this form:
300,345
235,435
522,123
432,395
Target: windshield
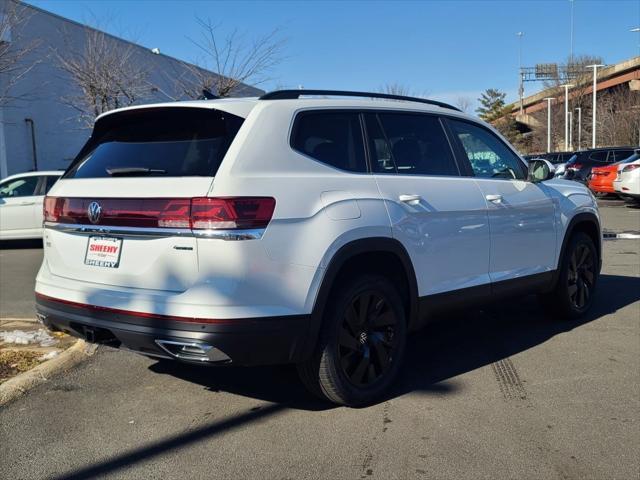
170,142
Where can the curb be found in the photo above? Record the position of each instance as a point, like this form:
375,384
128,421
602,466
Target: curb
72,356
19,319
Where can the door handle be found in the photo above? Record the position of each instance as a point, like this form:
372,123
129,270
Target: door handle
27,203
410,199
494,198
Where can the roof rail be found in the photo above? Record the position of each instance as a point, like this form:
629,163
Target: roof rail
293,94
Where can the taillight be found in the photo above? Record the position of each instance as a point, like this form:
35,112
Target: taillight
186,213
630,168
231,213
51,208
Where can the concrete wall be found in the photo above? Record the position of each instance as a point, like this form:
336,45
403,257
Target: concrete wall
58,133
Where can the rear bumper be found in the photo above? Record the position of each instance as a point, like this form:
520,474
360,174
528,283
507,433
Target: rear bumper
601,187
252,341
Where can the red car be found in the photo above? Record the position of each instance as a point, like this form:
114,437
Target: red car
601,179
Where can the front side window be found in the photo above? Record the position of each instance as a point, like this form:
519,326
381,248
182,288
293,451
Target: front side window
332,138
19,187
409,144
488,155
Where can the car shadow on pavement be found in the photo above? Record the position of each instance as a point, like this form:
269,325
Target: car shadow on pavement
449,346
464,341
276,384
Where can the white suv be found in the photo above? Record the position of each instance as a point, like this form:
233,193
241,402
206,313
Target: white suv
314,231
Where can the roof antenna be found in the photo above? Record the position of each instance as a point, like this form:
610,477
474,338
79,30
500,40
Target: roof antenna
207,95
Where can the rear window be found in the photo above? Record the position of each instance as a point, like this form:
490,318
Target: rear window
170,142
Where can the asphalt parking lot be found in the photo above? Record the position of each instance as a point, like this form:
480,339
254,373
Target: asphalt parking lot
501,392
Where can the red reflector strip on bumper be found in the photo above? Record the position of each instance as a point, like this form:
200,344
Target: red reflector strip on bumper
130,313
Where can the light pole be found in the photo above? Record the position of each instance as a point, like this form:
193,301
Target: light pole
566,115
571,30
520,86
548,99
593,113
570,130
579,110
637,30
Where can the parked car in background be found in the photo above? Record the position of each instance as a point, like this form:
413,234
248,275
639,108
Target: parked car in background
558,159
21,204
601,178
555,158
627,183
314,231
579,166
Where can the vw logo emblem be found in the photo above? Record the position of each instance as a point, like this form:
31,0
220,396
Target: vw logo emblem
94,212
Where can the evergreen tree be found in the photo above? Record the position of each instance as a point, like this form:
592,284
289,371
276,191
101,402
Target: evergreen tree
491,104
493,109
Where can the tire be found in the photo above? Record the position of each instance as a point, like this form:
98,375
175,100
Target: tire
361,342
574,292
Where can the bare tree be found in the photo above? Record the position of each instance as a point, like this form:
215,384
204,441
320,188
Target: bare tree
395,88
619,117
14,49
229,62
463,103
105,73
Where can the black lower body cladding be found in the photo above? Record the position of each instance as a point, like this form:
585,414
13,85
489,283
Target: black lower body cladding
247,341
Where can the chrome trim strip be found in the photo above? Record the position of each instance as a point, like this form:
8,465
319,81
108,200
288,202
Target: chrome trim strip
246,234
123,231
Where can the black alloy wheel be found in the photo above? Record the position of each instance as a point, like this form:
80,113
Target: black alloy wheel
361,342
367,339
581,276
574,291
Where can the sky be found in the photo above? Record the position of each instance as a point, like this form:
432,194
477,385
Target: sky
440,49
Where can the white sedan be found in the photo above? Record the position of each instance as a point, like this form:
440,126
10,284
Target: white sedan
21,199
627,183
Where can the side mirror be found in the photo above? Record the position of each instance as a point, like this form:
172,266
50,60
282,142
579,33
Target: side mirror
540,170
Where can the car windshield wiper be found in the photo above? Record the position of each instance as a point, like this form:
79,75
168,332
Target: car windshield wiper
134,171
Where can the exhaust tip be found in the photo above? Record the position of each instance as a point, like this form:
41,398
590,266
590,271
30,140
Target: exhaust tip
194,351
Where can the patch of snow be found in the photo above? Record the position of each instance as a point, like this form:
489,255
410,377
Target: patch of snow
20,337
49,356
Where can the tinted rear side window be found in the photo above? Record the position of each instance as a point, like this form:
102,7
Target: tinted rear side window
332,138
49,181
171,142
598,156
416,145
619,155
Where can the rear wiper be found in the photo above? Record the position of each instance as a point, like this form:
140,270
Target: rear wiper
133,171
